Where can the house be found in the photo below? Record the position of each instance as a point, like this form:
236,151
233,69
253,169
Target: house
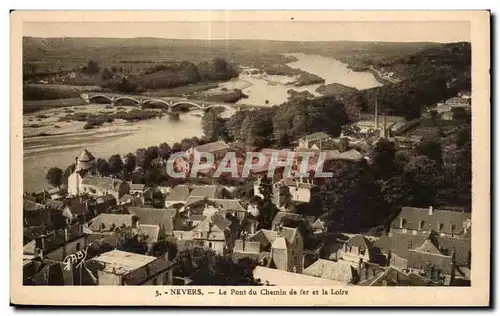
394,277
35,214
459,102
217,233
218,149
129,200
125,268
206,191
284,219
57,245
95,185
300,191
285,278
313,140
447,115
178,195
318,227
105,203
167,220
137,189
286,247
244,248
111,222
75,211
421,221
357,249
151,233
337,271
443,259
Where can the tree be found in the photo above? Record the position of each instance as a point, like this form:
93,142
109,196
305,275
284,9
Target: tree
102,167
130,162
69,170
212,124
383,158
176,147
205,267
55,177
107,74
267,209
91,68
432,149
164,149
422,176
115,164
344,144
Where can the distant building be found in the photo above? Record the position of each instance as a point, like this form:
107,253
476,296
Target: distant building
167,220
286,278
285,247
76,211
125,268
111,222
313,141
177,195
421,221
218,149
337,271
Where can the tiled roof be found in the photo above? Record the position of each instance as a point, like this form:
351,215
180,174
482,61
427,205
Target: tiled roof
212,147
77,208
400,244
264,236
108,222
55,204
104,183
85,156
229,204
106,199
137,187
318,224
419,260
359,241
282,217
126,197
122,262
452,221
250,246
289,233
179,193
331,270
164,218
316,136
214,223
205,191
237,256
151,231
284,278
395,277
29,206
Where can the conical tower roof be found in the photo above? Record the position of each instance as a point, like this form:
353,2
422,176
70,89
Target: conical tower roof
85,156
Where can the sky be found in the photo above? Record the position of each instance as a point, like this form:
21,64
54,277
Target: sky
407,31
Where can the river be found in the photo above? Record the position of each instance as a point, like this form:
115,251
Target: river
273,89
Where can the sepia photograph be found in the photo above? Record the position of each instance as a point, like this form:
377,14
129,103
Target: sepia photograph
306,156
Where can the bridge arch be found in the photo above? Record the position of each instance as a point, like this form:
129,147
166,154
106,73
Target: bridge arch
126,98
158,101
201,107
88,97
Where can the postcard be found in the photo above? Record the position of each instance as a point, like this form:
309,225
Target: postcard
250,158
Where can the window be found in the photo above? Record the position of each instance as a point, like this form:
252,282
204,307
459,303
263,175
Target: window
440,227
402,223
350,248
421,225
78,246
362,251
453,226
210,245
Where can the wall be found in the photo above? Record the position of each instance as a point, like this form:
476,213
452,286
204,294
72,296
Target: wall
68,249
106,278
398,262
217,246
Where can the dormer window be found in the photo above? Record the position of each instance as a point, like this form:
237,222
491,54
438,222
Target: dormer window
453,227
421,225
402,223
440,227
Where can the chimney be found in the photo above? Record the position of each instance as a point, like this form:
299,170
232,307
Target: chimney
66,234
431,210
